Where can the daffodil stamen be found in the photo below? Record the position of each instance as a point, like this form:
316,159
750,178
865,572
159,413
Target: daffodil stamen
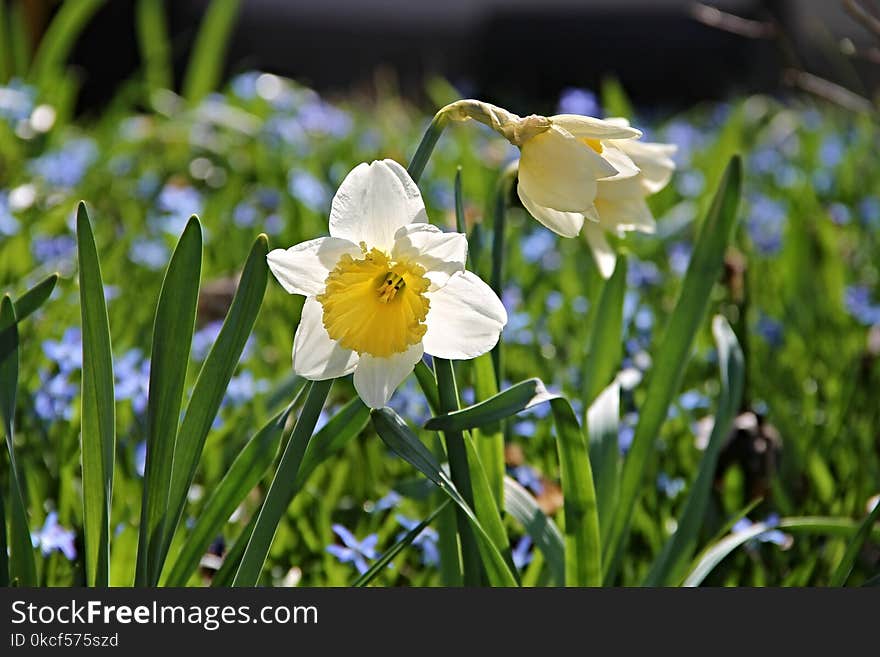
374,305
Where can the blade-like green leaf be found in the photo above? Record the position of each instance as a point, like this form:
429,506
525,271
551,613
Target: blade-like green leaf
284,487
29,302
98,407
583,546
603,421
155,47
60,37
830,526
400,438
489,438
232,558
844,568
21,569
388,556
209,52
544,532
516,398
243,475
212,381
679,549
172,335
4,554
672,355
716,553
606,335
346,424
428,384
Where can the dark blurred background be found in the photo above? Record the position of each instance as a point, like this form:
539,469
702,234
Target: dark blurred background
667,52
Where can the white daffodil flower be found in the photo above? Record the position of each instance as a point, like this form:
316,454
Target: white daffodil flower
620,204
562,159
384,288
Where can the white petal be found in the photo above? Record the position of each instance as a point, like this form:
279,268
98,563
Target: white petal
603,254
441,254
416,206
625,167
587,127
566,224
626,214
465,318
559,172
372,203
316,356
303,268
375,379
654,160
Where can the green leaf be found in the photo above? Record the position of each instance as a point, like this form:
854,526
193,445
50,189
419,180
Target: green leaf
98,407
716,553
346,424
212,381
583,546
20,569
172,335
243,475
516,398
232,558
544,532
284,487
679,548
606,335
208,57
31,301
387,557
844,568
428,384
60,38
4,549
672,353
603,420
400,438
155,47
489,438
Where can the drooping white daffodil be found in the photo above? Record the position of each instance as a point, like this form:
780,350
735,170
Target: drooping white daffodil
562,158
620,204
384,288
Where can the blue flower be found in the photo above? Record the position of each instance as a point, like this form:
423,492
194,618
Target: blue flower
177,203
426,541
386,503
626,431
679,254
8,224
528,478
537,245
53,249
308,190
771,330
352,550
765,223
320,117
774,536
244,85
53,536
16,101
671,487
243,388
132,379
831,151
204,339
574,100
857,299
52,401
686,137
690,183
522,553
692,399
67,352
641,273
869,210
66,166
152,254
410,403
840,214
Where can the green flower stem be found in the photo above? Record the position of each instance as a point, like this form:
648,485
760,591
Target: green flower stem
426,146
499,247
456,452
284,487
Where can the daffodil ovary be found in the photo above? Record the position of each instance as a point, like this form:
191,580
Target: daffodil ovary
375,305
